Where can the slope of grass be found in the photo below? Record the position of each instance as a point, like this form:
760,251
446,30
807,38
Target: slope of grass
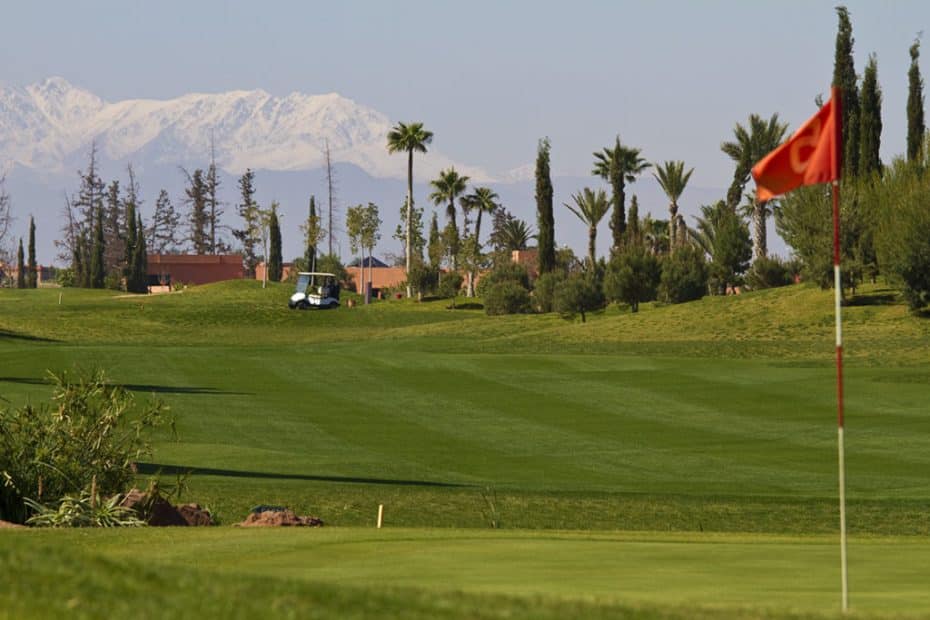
450,574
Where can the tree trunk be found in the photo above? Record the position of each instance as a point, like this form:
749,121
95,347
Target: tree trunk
672,226
592,238
409,249
759,241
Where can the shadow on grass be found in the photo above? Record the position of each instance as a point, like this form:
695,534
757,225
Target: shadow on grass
6,334
154,468
883,299
138,387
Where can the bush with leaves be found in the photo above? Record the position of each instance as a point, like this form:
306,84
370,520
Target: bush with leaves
93,431
505,272
632,277
769,272
507,297
684,276
329,263
545,289
450,285
577,294
86,509
424,279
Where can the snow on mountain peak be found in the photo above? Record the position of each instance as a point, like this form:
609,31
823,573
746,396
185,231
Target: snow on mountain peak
46,124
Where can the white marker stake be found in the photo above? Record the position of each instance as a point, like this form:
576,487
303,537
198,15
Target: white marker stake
59,299
380,515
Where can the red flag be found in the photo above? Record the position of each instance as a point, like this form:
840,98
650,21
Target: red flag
810,156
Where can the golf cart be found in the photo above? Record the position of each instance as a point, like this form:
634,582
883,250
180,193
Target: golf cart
315,290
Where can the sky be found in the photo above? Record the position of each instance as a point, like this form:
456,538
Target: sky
489,78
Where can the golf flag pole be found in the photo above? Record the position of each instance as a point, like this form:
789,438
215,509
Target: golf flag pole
811,156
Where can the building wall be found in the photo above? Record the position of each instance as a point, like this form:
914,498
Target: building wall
195,268
381,277
285,271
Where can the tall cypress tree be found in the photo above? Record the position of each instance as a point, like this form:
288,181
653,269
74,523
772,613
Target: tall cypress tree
97,260
197,198
844,77
434,249
313,226
20,267
544,215
32,278
870,120
274,249
632,229
131,238
250,233
78,261
915,105
136,282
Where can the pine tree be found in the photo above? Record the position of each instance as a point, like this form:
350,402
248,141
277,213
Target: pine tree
544,215
113,232
20,267
32,278
78,263
274,251
97,266
214,210
870,120
915,105
90,194
434,249
844,77
250,233
198,217
313,233
163,234
131,236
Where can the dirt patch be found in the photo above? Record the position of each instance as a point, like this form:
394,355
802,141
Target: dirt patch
6,525
279,518
161,513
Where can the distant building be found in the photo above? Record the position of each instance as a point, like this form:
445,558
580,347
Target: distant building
286,269
381,277
45,274
529,258
168,269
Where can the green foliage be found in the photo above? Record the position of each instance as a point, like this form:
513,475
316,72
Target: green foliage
20,267
844,77
65,276
275,266
249,236
83,510
450,285
579,293
903,227
684,276
506,297
590,207
749,145
544,290
544,215
618,165
632,277
92,431
725,237
435,248
769,272
199,219
915,105
97,262
870,120
330,263
425,279
32,277
136,280
506,271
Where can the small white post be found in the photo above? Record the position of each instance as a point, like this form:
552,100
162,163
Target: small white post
59,299
380,515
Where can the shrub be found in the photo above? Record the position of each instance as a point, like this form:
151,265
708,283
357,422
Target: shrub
329,263
769,273
545,290
577,294
84,510
65,277
450,284
684,276
632,277
506,297
506,272
92,431
424,279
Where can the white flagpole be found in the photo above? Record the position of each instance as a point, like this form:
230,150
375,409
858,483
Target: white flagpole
841,448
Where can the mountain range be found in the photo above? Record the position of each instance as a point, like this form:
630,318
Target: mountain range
47,129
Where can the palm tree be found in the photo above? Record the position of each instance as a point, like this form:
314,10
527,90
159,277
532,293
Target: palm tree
590,207
619,165
448,186
409,138
482,200
672,179
515,235
749,146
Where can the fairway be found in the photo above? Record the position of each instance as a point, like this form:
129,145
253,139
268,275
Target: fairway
682,419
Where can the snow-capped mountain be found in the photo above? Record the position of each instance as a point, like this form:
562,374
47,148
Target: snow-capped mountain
50,126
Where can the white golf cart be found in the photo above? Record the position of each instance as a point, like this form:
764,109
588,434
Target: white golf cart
315,290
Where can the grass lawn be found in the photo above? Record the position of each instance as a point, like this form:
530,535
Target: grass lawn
714,416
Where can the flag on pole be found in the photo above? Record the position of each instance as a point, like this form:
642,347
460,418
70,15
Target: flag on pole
810,156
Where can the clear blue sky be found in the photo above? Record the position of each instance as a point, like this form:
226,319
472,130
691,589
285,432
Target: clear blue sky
488,77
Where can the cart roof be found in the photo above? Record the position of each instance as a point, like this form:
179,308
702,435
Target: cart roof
315,273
